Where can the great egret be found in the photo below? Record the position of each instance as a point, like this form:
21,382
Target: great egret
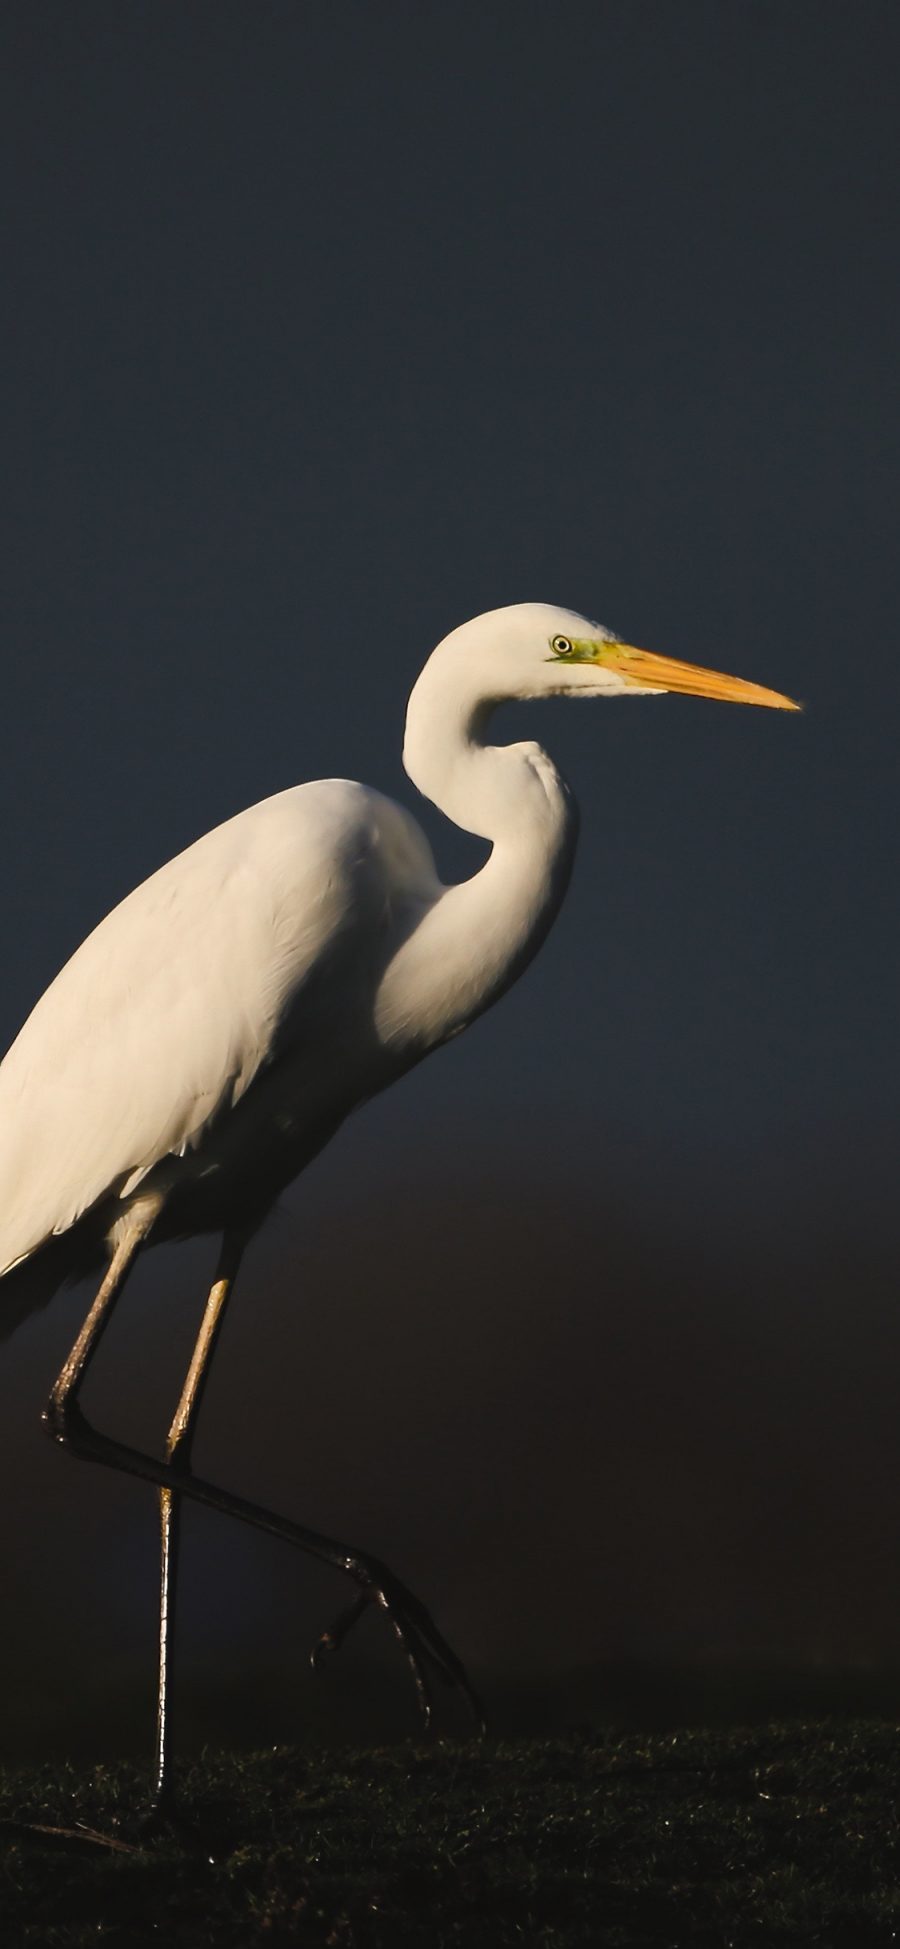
212,1033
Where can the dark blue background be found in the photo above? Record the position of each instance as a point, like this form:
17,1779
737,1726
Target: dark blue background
327,327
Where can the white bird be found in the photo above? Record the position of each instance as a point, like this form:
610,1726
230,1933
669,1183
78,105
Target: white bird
213,1032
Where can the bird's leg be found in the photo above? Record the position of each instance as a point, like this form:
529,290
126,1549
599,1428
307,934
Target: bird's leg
418,1636
179,1442
62,1415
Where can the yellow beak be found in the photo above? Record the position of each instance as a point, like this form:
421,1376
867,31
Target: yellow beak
648,672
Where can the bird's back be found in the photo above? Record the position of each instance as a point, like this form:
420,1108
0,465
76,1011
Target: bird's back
163,1017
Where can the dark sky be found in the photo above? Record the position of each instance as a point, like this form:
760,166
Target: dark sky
326,328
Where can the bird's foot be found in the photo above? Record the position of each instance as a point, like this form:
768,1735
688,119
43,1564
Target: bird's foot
426,1652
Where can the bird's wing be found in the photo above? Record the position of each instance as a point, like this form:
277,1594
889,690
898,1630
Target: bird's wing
163,1016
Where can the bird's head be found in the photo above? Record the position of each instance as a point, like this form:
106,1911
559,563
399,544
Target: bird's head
533,649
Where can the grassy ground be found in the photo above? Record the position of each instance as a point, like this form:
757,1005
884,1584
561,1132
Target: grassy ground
787,1834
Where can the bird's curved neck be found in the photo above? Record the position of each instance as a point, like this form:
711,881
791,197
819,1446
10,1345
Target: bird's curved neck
484,788
479,935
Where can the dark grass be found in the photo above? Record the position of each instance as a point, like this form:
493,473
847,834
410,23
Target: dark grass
786,1834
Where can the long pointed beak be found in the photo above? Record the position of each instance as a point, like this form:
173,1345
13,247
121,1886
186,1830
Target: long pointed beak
645,671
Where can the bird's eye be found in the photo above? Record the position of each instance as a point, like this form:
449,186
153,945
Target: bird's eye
561,645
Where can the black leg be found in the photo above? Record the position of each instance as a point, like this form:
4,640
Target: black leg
178,1453
132,1232
418,1636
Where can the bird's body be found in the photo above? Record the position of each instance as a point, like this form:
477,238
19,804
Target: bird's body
218,1025
213,1032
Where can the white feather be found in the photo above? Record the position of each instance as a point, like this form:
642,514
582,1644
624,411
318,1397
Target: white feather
214,1030
171,1007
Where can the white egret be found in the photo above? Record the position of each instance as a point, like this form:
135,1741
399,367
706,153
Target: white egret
214,1031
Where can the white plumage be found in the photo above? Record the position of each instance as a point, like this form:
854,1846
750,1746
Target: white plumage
220,1023
215,1029
269,933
